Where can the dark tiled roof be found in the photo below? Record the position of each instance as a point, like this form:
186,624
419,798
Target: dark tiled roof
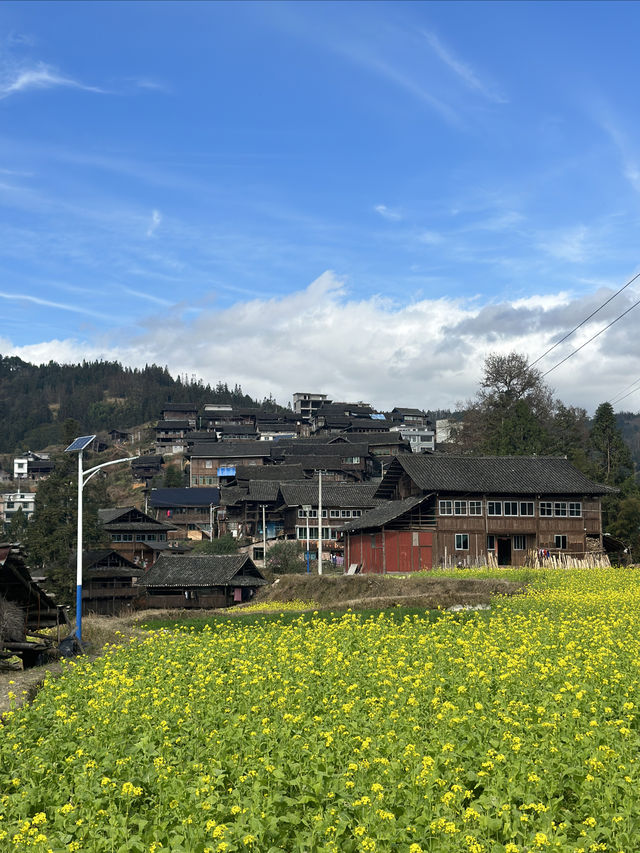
231,449
333,494
184,497
313,463
316,448
203,570
377,438
264,490
172,425
497,474
112,519
269,472
383,514
147,459
91,564
179,407
237,429
230,495
415,412
371,424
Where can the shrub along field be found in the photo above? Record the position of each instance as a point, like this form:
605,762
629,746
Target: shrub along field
509,732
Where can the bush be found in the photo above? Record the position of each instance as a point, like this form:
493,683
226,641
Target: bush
285,558
226,544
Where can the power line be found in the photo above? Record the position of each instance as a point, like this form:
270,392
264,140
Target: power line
593,337
586,320
620,396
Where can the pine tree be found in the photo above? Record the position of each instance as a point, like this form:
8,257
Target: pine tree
608,449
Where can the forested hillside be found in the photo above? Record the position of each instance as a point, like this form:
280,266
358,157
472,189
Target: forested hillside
36,400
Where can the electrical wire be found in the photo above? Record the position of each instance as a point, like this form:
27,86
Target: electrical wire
593,337
622,396
586,320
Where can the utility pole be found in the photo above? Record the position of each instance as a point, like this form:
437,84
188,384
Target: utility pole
307,511
319,522
264,536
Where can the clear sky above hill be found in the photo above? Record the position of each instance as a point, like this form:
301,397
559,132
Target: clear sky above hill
357,198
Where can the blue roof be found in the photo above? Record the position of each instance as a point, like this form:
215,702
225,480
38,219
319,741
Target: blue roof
184,497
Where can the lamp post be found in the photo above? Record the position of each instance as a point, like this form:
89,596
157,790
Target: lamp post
78,445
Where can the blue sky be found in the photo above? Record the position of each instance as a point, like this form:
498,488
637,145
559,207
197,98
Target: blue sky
357,198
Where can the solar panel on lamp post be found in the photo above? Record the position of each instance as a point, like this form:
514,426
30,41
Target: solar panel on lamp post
78,445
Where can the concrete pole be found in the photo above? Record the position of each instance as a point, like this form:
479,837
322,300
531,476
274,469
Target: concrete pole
264,535
319,522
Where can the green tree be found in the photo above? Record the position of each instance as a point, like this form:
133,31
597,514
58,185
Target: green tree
626,524
286,557
16,529
609,452
226,544
52,533
512,412
173,478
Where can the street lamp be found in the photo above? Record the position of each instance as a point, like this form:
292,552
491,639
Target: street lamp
77,446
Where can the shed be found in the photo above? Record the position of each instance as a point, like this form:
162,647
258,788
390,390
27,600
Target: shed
201,580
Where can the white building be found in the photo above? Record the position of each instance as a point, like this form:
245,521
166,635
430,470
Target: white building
11,502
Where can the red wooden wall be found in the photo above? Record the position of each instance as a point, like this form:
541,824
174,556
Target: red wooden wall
404,550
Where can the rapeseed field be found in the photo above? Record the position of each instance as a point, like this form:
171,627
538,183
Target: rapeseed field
502,733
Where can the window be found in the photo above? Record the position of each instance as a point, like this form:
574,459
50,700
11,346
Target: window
518,542
560,508
546,508
462,541
345,513
140,537
302,513
511,507
208,463
575,510
313,513
527,508
459,507
301,532
561,542
446,507
324,513
491,542
352,460
356,513
334,513
494,507
475,507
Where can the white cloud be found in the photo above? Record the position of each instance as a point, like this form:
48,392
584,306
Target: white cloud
42,76
387,212
428,353
430,238
463,70
156,219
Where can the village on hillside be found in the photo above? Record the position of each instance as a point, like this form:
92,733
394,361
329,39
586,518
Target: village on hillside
332,486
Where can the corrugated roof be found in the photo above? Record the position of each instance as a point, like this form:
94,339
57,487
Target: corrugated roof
203,570
383,514
497,474
333,494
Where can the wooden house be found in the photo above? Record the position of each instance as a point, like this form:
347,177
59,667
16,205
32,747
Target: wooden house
202,580
134,534
190,511
462,510
108,582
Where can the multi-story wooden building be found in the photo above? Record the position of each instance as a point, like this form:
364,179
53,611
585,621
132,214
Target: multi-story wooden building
462,510
134,534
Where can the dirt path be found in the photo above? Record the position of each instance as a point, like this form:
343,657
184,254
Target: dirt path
24,684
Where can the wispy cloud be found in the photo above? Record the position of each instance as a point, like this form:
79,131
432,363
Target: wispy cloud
573,245
388,212
463,70
47,303
150,85
150,297
42,76
156,219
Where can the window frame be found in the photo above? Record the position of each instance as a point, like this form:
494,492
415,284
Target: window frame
442,507
473,505
543,506
491,504
460,508
519,542
557,509
572,505
459,541
511,505
563,539
527,504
